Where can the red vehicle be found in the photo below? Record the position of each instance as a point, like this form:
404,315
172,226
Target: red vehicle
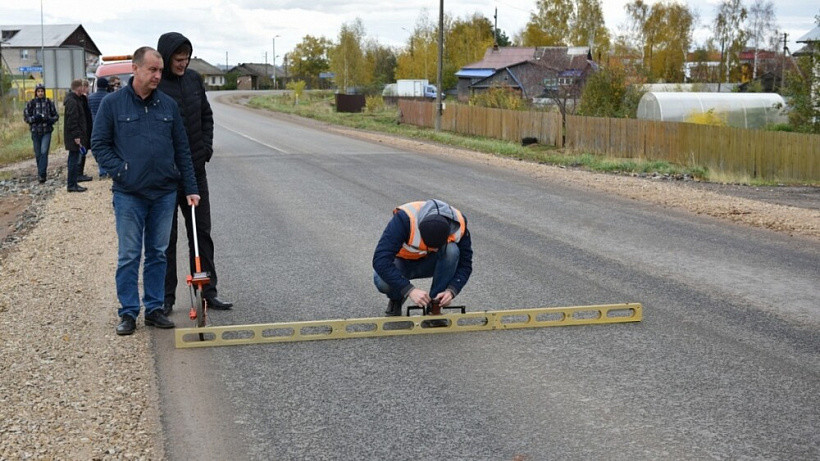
119,66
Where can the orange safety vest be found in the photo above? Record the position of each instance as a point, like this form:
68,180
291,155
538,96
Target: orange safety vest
415,248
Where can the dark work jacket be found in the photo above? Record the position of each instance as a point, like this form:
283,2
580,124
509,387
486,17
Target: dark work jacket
142,144
395,234
94,100
75,122
189,93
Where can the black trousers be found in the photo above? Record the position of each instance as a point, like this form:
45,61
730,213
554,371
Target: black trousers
203,233
73,168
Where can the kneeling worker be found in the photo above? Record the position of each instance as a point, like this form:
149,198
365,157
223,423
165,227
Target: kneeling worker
424,239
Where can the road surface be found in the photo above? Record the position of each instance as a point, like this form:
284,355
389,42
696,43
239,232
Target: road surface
726,363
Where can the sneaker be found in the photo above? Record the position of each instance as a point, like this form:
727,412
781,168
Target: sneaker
157,319
127,325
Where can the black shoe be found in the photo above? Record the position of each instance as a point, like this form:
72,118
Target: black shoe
167,308
394,308
157,319
127,325
77,189
84,178
42,179
216,304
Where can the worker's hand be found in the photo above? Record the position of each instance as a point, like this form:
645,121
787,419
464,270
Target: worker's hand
420,297
193,200
444,298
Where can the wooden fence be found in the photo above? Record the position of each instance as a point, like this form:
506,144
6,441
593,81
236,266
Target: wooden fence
508,125
768,155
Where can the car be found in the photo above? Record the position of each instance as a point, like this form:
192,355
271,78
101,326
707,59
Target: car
119,66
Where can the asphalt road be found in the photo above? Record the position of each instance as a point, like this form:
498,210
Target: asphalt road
726,363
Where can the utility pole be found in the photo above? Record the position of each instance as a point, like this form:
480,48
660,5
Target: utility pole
783,65
439,107
495,28
274,61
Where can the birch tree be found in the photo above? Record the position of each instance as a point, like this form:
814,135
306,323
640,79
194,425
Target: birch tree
761,26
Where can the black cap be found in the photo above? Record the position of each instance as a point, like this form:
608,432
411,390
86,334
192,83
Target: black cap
102,82
434,230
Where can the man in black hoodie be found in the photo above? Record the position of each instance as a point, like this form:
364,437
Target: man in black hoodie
185,86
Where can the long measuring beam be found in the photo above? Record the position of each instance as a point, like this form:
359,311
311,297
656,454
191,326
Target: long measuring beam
314,330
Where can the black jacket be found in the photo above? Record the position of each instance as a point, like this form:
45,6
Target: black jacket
189,93
75,123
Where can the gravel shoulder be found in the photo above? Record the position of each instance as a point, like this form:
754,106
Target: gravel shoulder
71,389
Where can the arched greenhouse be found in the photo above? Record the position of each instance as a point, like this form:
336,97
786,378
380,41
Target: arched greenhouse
742,110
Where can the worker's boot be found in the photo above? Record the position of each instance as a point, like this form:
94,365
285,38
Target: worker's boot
394,308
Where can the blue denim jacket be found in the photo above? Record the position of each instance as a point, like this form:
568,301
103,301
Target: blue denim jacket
142,144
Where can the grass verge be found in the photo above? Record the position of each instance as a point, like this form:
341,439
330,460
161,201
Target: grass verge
319,106
15,141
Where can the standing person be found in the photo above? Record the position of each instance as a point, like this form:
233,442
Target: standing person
41,115
186,87
113,84
76,133
140,141
94,101
423,239
89,122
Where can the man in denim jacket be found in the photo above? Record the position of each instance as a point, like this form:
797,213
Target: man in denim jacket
140,140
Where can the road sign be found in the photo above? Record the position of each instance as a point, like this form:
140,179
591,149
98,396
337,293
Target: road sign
30,69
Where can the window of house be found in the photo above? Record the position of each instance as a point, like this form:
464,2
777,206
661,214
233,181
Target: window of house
24,55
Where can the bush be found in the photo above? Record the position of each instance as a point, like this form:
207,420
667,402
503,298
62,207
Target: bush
499,97
710,117
297,87
374,103
606,94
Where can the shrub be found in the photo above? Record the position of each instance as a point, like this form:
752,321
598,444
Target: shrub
374,103
710,117
499,97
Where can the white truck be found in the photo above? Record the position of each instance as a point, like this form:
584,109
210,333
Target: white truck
410,88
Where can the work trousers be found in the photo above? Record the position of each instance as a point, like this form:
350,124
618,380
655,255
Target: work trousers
203,232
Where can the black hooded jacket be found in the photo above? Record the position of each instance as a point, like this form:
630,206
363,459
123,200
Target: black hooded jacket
189,93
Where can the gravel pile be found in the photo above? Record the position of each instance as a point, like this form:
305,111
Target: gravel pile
70,388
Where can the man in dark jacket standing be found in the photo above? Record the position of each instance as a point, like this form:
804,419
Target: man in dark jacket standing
186,87
76,132
140,140
41,115
94,101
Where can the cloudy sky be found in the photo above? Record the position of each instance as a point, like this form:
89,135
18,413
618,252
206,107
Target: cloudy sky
245,29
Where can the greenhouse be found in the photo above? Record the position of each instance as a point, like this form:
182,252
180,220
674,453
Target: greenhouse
741,110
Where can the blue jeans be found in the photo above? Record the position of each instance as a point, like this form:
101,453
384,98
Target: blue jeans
42,144
440,265
141,220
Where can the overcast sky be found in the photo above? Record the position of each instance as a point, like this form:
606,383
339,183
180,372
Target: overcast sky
245,29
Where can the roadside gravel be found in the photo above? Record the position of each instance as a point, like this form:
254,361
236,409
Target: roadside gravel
71,389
